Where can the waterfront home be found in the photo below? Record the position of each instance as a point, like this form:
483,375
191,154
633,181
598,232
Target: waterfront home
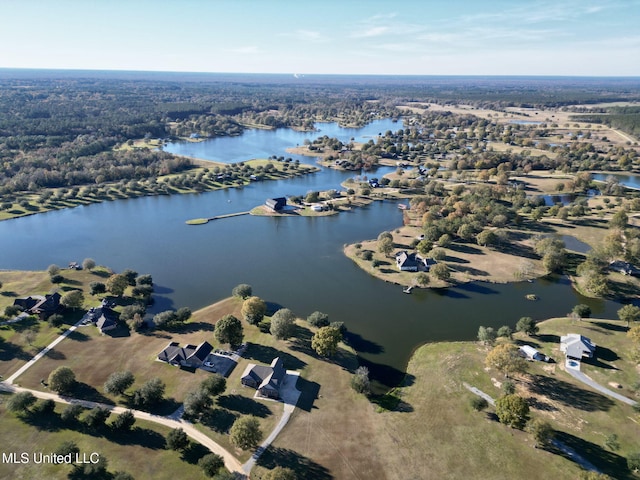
577,346
413,262
188,356
102,317
267,380
276,204
41,305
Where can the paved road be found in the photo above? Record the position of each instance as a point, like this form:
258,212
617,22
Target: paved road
290,395
43,352
578,375
229,460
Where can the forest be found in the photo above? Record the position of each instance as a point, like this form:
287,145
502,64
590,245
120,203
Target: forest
63,129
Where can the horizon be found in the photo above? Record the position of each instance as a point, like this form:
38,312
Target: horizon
565,38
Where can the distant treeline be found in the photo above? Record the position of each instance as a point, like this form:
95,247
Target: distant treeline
626,119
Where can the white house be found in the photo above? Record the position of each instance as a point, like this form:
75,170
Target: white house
577,346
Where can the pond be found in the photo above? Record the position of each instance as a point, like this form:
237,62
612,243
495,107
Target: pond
296,262
630,181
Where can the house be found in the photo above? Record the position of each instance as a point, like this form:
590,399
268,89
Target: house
317,207
188,356
41,305
276,204
267,380
625,268
102,317
412,262
531,353
577,346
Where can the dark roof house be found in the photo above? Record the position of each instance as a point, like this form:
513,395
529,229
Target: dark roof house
267,380
41,305
412,262
188,356
276,204
102,317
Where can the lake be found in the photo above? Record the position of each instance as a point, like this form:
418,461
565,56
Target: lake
296,262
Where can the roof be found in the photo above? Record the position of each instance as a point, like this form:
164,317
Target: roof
266,377
529,350
404,259
174,353
276,203
577,346
103,317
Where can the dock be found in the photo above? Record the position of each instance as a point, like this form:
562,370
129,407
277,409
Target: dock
202,221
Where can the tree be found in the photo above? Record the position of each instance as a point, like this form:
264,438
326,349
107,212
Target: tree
243,291
150,393
385,246
66,448
253,310
45,407
612,442
229,330
445,240
506,358
318,319
441,272
634,334
197,402
512,410
131,276
360,381
71,413
542,432
214,384
486,238
129,311
527,325
145,279
479,403
177,439
21,402
89,264
97,417
424,247
325,341
619,220
164,319
505,332
183,314
118,382
53,270
117,284
57,278
124,422
633,462
282,324
62,380
487,335
73,299
582,310
245,432
96,288
119,475
211,464
280,473
629,313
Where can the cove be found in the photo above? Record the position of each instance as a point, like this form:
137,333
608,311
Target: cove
297,262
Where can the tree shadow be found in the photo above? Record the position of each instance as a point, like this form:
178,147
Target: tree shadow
569,395
218,419
119,332
452,259
54,354
49,422
384,377
78,336
272,307
28,323
194,452
538,404
243,405
8,293
362,345
10,351
87,392
548,338
465,248
469,271
302,466
191,327
137,436
611,326
604,460
266,354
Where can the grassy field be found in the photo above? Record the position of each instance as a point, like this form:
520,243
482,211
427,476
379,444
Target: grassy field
141,452
15,349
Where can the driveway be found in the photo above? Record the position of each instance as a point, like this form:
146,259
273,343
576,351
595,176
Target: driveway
573,368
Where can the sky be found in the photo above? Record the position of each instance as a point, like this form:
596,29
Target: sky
398,37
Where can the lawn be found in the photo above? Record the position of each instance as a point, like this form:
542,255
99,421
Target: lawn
123,452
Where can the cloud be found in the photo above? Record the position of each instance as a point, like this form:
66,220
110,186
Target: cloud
371,32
